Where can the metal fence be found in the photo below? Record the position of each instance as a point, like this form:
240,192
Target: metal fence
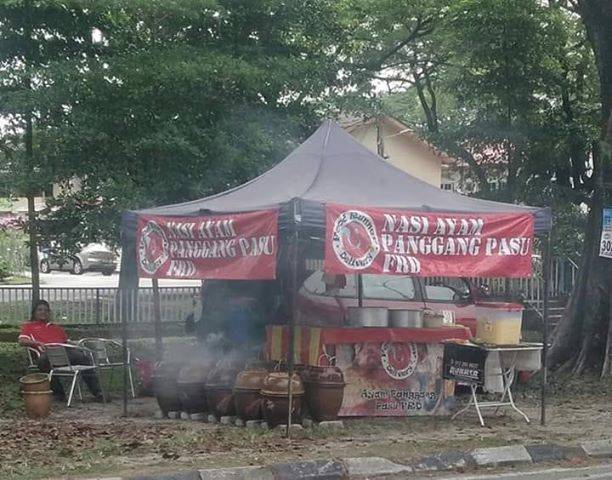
531,289
100,306
97,306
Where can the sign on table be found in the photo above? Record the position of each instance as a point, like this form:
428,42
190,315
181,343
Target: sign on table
465,364
605,247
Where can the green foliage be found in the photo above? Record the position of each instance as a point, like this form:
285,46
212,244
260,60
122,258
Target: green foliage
158,102
13,253
5,269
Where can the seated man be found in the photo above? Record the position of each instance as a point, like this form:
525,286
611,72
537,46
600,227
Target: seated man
38,331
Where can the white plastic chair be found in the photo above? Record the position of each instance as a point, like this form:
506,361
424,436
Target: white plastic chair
99,347
61,367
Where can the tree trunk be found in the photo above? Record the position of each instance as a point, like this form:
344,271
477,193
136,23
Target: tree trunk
29,150
581,337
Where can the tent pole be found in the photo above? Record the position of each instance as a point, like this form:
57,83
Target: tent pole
294,297
359,290
159,346
547,257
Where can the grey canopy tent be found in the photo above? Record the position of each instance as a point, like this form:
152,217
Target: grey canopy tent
329,167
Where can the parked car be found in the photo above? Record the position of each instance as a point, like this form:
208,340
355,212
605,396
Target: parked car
323,300
92,258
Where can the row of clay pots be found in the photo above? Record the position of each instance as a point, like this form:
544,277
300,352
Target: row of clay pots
258,394
252,394
198,387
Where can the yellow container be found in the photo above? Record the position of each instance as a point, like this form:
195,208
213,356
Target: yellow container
498,325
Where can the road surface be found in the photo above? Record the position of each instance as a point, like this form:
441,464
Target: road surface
97,280
593,472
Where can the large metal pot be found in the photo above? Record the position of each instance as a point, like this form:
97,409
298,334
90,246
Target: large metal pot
404,318
367,317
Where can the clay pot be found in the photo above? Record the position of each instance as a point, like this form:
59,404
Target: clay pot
191,385
35,382
165,386
219,388
37,403
220,401
324,392
247,398
276,399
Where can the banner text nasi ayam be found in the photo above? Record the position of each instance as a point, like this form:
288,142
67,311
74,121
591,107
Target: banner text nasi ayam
388,241
229,246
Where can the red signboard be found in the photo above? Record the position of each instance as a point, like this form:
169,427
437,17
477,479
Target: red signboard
399,242
233,246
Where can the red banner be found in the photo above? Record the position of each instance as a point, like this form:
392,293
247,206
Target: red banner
399,242
235,246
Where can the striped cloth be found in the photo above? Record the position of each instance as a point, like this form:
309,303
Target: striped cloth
307,346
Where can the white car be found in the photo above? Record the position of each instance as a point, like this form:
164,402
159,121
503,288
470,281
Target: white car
94,257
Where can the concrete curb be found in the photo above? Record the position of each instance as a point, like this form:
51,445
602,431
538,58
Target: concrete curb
377,467
598,448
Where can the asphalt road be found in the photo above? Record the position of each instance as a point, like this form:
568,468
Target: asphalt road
95,279
593,472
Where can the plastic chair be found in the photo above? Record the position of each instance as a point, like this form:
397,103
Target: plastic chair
57,353
99,347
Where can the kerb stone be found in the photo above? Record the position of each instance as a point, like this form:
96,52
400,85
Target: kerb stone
316,469
501,455
598,448
240,473
373,466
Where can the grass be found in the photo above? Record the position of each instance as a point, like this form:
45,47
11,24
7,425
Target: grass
15,280
90,440
13,362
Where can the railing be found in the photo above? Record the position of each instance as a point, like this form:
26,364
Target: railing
97,306
562,279
100,306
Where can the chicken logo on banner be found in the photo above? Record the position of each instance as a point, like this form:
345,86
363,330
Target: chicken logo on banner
399,359
153,248
355,241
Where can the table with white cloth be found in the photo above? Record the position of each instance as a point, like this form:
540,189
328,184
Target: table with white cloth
500,368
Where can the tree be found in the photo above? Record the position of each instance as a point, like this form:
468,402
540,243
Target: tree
174,100
583,338
34,36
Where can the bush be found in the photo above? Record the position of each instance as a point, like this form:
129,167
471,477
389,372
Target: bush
13,253
5,268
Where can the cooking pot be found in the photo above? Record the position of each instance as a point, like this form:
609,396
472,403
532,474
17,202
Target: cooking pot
367,317
433,319
403,318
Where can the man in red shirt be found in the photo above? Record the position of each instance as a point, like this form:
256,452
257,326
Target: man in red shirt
39,331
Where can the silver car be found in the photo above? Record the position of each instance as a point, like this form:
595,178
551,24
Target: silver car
92,258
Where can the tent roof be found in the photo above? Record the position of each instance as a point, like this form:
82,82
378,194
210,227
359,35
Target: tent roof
332,167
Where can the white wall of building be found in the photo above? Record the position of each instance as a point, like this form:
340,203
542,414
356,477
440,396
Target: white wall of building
402,149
